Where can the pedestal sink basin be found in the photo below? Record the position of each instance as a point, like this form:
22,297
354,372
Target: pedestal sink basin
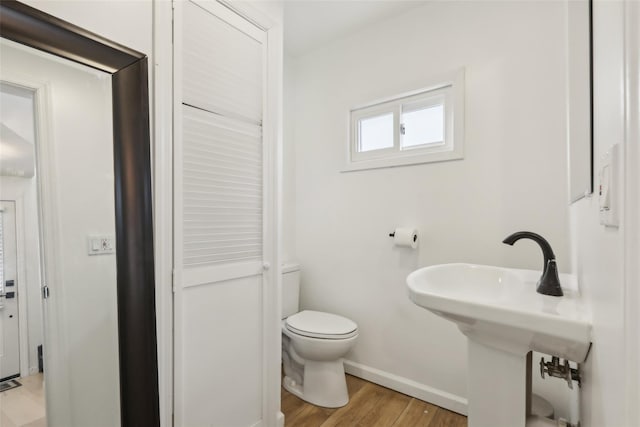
501,308
504,318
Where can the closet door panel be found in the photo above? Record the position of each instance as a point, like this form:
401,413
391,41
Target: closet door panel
223,343
219,217
222,197
222,66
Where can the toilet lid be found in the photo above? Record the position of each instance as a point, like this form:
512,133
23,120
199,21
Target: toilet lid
321,325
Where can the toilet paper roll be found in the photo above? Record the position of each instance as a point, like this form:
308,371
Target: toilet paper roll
406,237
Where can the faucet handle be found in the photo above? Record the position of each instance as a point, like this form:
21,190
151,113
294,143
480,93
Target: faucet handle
560,370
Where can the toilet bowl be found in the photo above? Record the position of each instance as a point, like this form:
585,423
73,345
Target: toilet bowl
313,346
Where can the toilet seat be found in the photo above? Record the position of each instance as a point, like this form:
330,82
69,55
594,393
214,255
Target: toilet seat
316,324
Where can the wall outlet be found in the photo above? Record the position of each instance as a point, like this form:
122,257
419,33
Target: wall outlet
101,245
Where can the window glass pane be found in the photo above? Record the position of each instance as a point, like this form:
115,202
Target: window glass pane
423,126
376,132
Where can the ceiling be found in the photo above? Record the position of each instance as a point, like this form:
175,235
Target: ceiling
308,24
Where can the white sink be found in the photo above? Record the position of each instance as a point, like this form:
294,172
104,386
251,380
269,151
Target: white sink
499,307
504,319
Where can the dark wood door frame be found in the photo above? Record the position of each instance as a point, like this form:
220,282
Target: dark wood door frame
139,397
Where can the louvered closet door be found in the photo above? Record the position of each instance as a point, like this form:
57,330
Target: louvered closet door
222,184
219,218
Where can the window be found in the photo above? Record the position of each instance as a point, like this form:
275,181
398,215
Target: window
418,127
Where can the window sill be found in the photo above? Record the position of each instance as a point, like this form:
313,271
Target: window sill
408,160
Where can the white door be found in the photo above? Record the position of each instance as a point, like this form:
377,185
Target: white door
9,326
221,202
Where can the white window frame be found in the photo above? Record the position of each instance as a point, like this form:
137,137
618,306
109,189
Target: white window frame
448,90
366,113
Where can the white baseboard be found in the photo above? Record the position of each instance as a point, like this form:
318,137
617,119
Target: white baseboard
409,387
279,421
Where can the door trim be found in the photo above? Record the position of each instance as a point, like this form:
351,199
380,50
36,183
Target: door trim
163,199
21,277
632,210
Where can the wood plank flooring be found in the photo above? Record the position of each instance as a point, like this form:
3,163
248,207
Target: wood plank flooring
370,405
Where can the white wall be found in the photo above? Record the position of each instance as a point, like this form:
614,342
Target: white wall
599,251
513,176
126,22
289,164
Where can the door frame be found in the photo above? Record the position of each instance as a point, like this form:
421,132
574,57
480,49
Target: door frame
21,287
163,200
632,209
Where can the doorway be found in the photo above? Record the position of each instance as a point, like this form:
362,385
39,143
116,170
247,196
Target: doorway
21,379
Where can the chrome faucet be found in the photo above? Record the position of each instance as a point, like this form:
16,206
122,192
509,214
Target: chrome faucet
549,283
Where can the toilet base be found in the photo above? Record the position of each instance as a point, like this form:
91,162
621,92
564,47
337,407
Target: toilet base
324,384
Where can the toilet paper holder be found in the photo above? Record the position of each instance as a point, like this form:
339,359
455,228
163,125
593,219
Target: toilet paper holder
415,237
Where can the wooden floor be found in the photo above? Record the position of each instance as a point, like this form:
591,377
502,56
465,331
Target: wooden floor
370,405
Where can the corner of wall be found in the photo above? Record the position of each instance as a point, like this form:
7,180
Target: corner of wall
289,162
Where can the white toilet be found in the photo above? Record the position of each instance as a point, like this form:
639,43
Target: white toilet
313,344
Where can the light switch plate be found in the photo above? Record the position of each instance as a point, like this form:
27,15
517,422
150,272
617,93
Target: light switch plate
608,187
101,245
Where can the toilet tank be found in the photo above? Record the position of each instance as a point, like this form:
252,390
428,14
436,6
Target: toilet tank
290,288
